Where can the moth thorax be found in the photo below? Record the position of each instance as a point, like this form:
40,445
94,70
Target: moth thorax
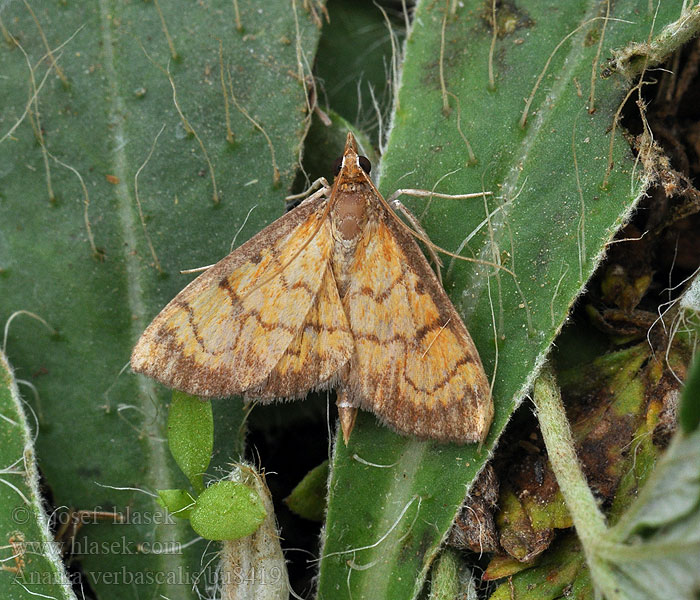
349,215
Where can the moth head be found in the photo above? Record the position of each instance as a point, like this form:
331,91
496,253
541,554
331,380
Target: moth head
351,166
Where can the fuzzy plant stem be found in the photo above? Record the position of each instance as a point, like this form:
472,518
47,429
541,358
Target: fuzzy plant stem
587,518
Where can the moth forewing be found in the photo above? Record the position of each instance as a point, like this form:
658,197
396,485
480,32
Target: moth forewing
415,365
224,334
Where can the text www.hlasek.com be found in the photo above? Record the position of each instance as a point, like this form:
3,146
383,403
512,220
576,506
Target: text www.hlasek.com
85,547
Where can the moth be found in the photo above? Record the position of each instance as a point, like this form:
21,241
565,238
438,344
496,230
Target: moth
334,294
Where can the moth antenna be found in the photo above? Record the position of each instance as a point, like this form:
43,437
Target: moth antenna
416,223
430,244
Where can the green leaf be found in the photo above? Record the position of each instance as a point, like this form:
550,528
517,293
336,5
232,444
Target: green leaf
612,402
560,573
102,434
671,493
654,550
178,502
191,436
227,510
354,61
689,416
444,584
689,413
31,559
554,208
308,498
253,567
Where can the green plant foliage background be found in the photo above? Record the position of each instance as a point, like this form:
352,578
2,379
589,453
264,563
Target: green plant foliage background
102,432
554,208
101,429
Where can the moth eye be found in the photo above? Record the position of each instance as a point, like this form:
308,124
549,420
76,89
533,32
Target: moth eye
337,165
365,164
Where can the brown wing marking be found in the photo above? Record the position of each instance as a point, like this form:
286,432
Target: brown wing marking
322,346
415,365
224,333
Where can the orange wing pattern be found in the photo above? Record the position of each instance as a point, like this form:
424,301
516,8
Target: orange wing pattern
320,349
415,365
225,333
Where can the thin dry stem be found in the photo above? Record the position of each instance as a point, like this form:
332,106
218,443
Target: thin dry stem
230,137
596,58
244,112
164,27
523,118
492,48
138,202
237,13
187,126
44,41
443,87
86,205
